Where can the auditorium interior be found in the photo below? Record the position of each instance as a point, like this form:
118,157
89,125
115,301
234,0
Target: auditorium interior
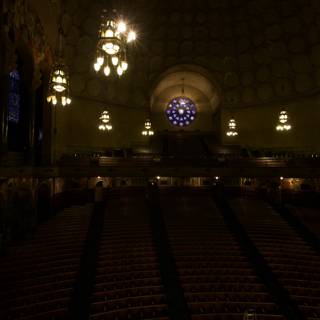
160,160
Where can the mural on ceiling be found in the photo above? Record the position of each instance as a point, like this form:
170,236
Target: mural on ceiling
257,50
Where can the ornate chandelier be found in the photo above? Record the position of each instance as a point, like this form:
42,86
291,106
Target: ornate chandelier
232,128
58,91
283,122
114,35
104,121
147,128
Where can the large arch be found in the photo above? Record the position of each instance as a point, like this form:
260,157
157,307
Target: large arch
198,85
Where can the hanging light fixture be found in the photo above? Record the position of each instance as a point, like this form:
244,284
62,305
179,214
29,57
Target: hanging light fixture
147,128
232,128
58,91
104,121
283,122
114,35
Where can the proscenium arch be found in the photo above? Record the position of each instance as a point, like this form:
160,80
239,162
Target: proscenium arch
197,82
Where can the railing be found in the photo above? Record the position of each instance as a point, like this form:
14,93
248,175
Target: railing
219,161
154,165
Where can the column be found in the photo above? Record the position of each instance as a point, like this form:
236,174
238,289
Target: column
31,127
4,89
36,82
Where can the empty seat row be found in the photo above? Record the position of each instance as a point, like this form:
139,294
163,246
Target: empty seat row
38,277
128,283
217,278
290,258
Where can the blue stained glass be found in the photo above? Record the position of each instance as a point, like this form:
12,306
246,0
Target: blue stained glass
14,97
181,111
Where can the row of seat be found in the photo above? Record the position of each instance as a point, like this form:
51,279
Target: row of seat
291,259
128,283
309,216
217,278
38,277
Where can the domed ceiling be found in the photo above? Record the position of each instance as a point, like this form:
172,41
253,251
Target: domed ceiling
257,51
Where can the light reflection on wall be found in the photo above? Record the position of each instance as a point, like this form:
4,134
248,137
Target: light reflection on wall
293,184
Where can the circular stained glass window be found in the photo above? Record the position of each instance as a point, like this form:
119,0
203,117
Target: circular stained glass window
181,111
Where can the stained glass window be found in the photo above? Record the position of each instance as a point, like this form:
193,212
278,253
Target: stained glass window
14,97
181,111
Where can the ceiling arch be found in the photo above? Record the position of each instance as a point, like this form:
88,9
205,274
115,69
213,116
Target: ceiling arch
193,80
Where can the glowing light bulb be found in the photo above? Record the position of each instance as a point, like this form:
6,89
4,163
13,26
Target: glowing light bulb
59,79
122,27
100,60
119,71
115,60
58,88
109,34
109,48
124,65
131,36
116,48
107,71
68,101
97,67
